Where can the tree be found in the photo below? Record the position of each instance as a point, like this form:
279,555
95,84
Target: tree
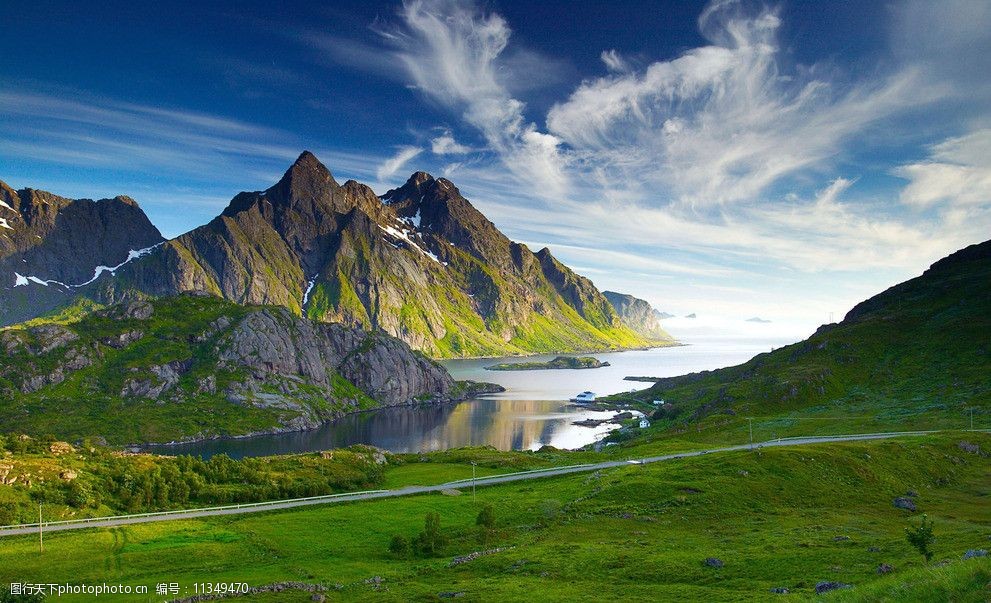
486,517
431,540
922,537
8,513
486,522
400,547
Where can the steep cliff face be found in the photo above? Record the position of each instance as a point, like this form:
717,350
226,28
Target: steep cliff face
420,263
50,246
638,315
196,366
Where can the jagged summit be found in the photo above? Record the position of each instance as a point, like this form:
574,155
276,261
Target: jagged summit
305,178
420,263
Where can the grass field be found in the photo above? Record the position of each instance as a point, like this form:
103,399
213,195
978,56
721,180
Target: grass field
775,518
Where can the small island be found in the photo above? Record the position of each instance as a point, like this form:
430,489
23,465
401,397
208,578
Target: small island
561,362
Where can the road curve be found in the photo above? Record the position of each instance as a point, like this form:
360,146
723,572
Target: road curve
410,490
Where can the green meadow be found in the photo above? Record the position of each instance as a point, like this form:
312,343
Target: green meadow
775,518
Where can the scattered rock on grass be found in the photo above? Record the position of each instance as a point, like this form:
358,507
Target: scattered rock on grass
825,587
840,538
884,568
975,553
713,562
779,590
968,447
903,502
451,595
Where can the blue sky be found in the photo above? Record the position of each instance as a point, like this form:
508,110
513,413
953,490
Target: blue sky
725,158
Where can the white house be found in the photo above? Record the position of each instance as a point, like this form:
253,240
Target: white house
658,402
644,423
584,397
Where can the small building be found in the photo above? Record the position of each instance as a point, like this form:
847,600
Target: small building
644,423
659,403
584,397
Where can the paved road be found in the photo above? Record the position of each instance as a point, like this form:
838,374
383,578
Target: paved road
482,481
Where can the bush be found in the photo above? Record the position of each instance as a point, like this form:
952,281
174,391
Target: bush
431,540
486,517
922,537
401,547
8,513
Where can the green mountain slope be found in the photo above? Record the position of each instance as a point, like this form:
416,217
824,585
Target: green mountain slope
198,366
918,351
420,263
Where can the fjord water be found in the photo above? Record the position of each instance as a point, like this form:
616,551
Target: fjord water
533,411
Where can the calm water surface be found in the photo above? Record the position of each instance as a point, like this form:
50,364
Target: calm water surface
533,412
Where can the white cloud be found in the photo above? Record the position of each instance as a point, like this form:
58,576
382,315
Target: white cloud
446,145
958,172
402,157
614,62
723,122
451,51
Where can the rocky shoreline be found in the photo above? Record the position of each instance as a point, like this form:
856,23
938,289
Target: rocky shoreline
558,363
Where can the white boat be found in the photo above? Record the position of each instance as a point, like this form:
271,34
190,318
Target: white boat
584,397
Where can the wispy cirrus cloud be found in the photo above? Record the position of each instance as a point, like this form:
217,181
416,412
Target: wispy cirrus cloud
391,165
723,122
451,51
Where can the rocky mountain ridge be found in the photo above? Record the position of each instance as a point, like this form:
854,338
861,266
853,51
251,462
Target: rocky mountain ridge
52,247
419,263
218,369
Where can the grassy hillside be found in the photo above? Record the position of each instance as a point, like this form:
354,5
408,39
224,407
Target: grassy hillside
775,518
193,366
917,356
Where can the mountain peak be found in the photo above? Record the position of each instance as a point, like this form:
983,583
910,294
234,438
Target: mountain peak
418,179
307,159
306,176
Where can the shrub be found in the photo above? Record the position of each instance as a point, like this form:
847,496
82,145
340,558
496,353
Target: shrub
400,547
8,513
922,537
431,540
486,517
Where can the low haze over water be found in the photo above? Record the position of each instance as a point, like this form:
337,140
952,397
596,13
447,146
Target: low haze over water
533,412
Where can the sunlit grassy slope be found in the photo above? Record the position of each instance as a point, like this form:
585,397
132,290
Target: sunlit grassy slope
775,518
917,356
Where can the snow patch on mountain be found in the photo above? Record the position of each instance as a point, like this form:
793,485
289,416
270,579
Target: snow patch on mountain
309,288
131,255
404,236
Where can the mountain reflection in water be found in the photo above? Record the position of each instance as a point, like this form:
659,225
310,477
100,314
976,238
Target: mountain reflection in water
504,424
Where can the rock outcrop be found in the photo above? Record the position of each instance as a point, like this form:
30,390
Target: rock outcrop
259,366
639,316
